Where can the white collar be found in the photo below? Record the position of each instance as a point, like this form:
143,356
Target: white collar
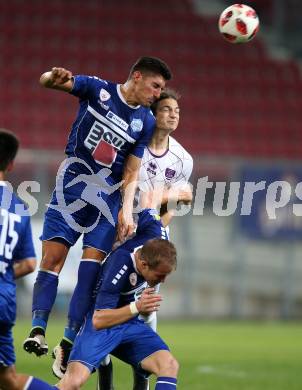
119,92
2,183
133,258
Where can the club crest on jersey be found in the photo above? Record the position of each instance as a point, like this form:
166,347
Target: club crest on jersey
133,279
104,95
136,125
169,173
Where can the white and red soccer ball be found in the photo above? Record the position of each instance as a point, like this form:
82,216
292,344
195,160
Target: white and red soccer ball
238,23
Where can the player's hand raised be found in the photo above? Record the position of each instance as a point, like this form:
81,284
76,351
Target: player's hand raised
148,302
57,78
185,194
126,224
60,75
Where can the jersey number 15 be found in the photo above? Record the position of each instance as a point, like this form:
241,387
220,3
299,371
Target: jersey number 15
8,235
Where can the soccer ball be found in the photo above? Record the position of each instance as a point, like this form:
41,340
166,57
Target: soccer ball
238,23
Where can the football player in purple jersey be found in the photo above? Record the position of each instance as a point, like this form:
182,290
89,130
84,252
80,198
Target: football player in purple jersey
17,259
105,146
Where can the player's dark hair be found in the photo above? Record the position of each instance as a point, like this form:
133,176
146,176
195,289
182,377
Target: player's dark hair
152,65
158,251
9,145
167,93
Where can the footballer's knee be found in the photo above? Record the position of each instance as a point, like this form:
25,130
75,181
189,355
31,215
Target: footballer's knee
75,377
8,380
93,254
54,255
70,382
161,363
169,367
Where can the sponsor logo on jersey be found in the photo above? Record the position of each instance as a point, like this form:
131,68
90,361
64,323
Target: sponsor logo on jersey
136,125
98,133
104,95
139,291
117,120
133,279
169,173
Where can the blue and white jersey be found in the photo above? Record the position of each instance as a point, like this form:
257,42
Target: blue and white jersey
15,244
106,129
120,282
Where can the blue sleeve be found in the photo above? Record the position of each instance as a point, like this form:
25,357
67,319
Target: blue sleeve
85,86
25,247
149,225
114,277
144,140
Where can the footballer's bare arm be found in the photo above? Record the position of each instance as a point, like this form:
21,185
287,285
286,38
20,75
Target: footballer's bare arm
125,217
24,267
57,78
148,303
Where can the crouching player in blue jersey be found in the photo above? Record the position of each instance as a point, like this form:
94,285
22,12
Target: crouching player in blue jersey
107,141
17,258
127,281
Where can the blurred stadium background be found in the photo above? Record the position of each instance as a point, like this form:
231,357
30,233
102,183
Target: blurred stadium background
241,115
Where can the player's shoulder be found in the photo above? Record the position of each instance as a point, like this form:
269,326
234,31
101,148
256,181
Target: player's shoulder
177,148
121,255
98,80
147,115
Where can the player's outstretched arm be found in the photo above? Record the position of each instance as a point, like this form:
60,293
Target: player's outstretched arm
24,267
176,195
57,78
106,318
160,196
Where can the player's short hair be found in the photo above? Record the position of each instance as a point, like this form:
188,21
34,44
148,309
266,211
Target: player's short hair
158,251
167,93
9,145
151,65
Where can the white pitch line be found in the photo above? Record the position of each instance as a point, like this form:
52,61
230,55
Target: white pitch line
211,370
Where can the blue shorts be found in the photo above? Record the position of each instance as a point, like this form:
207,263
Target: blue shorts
130,342
7,352
66,219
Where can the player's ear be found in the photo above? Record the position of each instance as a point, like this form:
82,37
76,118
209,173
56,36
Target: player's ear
144,264
137,75
10,166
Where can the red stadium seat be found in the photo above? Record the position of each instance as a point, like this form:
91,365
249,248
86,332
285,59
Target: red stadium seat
236,99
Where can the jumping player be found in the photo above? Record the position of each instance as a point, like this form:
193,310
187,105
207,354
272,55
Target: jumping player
106,144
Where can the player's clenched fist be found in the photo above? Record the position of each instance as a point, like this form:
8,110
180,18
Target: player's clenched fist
58,78
148,301
60,75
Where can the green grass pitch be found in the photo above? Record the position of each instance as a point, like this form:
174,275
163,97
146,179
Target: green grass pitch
213,356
